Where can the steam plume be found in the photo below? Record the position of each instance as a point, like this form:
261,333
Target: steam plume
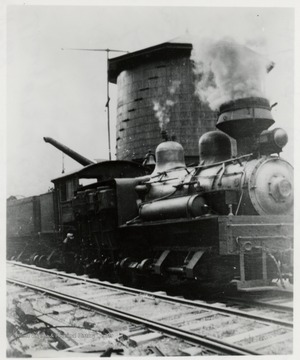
162,108
162,112
174,86
226,70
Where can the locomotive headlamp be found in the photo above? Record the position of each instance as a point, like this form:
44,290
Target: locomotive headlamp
272,141
280,137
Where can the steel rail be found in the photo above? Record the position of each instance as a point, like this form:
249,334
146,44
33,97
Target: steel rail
208,342
259,303
216,308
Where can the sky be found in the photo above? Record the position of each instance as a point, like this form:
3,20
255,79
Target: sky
62,93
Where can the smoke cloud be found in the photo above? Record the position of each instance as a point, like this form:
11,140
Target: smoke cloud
162,108
226,70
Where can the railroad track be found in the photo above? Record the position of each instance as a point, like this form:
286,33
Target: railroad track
211,328
277,302
91,330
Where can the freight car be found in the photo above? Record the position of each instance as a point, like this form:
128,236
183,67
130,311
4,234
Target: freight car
31,224
226,220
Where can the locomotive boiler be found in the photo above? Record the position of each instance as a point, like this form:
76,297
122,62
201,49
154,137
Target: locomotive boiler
251,183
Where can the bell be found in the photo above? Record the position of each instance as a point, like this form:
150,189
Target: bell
149,159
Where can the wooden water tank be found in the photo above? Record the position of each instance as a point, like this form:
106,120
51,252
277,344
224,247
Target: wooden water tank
162,75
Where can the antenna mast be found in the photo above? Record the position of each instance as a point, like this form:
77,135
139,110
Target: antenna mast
107,88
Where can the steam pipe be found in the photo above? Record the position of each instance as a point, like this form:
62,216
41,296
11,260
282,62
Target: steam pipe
164,135
73,154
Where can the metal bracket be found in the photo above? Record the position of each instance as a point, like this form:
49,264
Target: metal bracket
159,263
189,270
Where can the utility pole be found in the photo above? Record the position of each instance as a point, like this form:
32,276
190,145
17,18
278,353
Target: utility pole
107,87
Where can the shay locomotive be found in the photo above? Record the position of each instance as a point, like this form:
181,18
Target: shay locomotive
226,220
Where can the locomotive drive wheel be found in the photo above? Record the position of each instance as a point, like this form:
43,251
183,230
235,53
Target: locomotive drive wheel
124,274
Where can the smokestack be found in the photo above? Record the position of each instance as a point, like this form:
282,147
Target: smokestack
244,120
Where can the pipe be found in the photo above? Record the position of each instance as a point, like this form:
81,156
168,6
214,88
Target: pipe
73,154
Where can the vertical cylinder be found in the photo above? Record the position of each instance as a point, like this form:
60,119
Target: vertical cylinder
149,86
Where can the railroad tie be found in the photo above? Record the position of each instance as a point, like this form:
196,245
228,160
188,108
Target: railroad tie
142,339
271,341
206,322
191,351
251,334
128,334
194,316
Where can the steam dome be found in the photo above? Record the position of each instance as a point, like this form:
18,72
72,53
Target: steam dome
169,155
214,146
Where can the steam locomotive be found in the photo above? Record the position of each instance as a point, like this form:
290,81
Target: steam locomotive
226,220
